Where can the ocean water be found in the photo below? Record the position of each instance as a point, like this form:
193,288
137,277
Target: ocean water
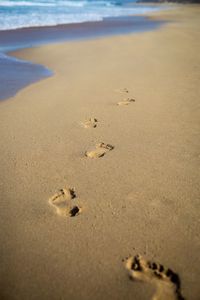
33,13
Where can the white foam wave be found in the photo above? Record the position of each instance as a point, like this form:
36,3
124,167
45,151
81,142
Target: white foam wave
23,3
61,12
72,4
35,21
50,4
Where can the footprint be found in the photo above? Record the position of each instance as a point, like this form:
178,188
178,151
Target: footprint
123,90
126,101
61,200
166,281
100,151
90,123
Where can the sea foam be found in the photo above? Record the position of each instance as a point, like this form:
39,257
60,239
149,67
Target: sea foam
23,14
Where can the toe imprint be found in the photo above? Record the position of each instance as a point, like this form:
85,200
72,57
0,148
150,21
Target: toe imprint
167,282
126,101
100,151
90,123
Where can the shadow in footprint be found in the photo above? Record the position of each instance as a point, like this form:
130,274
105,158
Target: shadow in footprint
166,281
74,211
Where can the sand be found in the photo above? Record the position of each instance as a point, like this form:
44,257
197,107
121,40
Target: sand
68,220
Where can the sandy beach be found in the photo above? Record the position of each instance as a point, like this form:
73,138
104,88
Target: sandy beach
100,163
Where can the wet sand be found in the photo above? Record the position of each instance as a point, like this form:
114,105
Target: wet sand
34,36
101,162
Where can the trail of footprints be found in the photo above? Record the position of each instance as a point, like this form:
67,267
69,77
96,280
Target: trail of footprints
167,282
63,200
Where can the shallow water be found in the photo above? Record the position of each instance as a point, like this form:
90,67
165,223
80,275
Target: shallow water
15,74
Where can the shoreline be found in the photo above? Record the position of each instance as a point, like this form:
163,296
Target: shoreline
13,40
140,197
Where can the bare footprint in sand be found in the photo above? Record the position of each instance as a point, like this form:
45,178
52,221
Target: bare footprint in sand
61,202
167,282
90,123
122,90
126,101
100,151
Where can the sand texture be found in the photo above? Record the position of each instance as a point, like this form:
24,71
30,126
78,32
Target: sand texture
100,177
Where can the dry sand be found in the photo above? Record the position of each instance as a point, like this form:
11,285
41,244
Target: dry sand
140,197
